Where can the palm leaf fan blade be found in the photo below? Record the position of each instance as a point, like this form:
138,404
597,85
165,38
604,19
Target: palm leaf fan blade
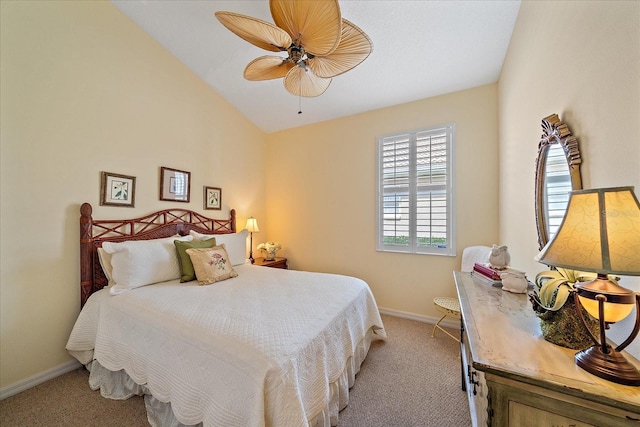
314,24
267,68
299,81
355,46
257,32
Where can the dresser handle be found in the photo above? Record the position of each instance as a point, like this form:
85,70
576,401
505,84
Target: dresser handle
471,374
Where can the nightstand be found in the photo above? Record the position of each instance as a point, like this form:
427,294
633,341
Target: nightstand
276,263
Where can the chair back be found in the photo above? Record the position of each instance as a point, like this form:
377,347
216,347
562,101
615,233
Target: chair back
473,254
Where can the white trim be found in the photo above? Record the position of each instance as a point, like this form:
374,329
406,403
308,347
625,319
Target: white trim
39,378
446,323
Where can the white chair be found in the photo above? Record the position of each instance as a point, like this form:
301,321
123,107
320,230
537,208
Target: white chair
473,254
451,306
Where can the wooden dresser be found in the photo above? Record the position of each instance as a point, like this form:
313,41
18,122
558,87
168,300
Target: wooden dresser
513,377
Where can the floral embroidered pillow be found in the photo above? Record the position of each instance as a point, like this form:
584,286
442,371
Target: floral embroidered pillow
211,264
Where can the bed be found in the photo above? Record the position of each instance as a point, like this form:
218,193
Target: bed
259,347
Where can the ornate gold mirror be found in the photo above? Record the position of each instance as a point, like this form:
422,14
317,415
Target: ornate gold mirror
557,173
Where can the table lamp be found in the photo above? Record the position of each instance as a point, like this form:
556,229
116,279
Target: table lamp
600,233
252,227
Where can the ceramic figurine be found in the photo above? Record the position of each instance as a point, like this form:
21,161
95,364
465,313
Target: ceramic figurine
499,257
514,281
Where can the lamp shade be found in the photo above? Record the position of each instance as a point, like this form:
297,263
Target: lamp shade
600,233
252,225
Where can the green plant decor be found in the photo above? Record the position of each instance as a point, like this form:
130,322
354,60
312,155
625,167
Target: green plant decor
553,303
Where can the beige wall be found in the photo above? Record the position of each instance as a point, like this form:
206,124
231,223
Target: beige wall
84,90
321,195
580,60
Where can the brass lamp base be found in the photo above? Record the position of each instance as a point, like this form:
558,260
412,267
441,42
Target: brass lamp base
612,366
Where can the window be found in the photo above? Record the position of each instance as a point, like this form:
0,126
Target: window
415,192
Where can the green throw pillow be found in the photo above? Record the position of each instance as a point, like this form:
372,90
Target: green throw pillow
187,272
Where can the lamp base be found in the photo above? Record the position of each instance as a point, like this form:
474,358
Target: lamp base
612,367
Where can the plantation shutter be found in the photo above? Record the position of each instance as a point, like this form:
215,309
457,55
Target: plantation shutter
395,189
415,192
431,191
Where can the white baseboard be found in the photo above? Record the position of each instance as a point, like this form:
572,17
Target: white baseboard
39,378
449,322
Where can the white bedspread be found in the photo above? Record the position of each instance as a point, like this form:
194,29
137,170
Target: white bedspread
258,349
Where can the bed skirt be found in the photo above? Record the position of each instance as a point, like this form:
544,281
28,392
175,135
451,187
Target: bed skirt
119,386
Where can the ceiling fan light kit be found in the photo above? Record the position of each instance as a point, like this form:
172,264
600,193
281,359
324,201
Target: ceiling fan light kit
319,43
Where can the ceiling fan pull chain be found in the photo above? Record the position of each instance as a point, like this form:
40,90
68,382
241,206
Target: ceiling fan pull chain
300,98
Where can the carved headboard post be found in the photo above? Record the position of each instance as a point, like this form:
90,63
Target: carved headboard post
86,254
232,216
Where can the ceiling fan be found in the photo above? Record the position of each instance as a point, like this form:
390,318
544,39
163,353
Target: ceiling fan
319,43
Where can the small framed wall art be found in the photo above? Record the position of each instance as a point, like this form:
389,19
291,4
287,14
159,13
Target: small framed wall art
175,185
117,190
212,198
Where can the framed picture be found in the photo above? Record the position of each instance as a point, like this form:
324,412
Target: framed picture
212,198
117,190
175,185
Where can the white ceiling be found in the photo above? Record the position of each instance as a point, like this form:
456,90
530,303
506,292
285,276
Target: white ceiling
422,48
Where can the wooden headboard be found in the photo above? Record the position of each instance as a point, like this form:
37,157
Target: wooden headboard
165,223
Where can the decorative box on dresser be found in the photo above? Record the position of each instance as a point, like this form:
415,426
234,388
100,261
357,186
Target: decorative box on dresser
278,262
513,377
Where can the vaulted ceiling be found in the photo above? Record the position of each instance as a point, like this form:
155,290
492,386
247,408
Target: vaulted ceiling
422,48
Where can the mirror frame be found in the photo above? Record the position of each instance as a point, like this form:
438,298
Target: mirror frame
554,131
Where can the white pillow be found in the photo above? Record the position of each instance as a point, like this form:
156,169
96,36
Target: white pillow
105,262
143,262
235,243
